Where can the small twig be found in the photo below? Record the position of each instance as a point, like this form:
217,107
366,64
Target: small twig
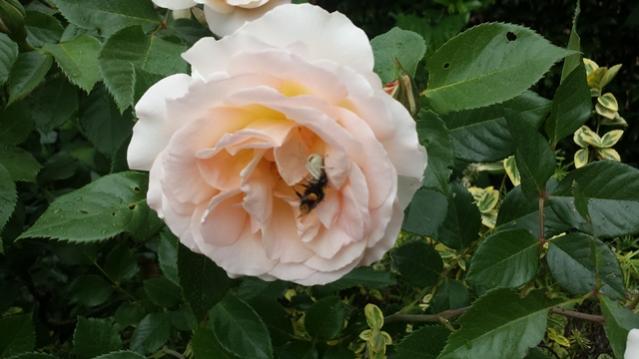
173,353
579,315
452,313
542,236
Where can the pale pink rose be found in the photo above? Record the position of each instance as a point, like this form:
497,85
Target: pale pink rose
228,146
225,16
632,345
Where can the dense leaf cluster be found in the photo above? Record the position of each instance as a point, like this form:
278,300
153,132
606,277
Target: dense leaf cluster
508,250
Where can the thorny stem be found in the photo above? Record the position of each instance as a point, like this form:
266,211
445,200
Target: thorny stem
445,316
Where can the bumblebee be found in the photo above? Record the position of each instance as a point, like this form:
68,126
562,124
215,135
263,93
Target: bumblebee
313,192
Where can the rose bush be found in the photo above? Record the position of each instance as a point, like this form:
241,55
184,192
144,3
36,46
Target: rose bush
227,149
225,16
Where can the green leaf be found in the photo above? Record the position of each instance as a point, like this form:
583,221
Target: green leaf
15,124
451,294
42,29
206,346
619,321
426,213
17,335
8,56
33,356
325,319
53,104
93,337
488,64
107,16
203,282
168,255
299,350
571,106
580,263
121,355
574,43
100,210
396,52
463,220
433,134
534,157
8,196
426,343
27,73
536,353
151,333
482,135
20,164
506,332
505,259
239,329
90,290
130,49
163,292
78,59
418,263
102,123
121,263
363,276
612,189
129,314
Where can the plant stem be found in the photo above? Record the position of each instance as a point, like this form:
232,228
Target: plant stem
579,315
542,237
452,313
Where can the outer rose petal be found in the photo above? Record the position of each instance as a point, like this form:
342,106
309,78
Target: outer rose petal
225,23
632,345
312,26
175,4
154,129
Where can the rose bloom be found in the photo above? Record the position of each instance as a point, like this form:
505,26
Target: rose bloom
225,16
632,345
228,147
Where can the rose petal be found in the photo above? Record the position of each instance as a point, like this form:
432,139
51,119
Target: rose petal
224,24
312,26
153,129
280,237
175,4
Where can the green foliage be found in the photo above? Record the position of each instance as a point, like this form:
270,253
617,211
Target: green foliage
107,207
483,329
418,263
581,263
325,319
8,56
17,335
129,53
397,52
78,58
27,73
487,64
107,17
239,329
204,283
505,229
506,259
93,337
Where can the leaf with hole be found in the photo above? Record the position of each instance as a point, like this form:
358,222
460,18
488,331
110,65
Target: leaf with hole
100,210
487,64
